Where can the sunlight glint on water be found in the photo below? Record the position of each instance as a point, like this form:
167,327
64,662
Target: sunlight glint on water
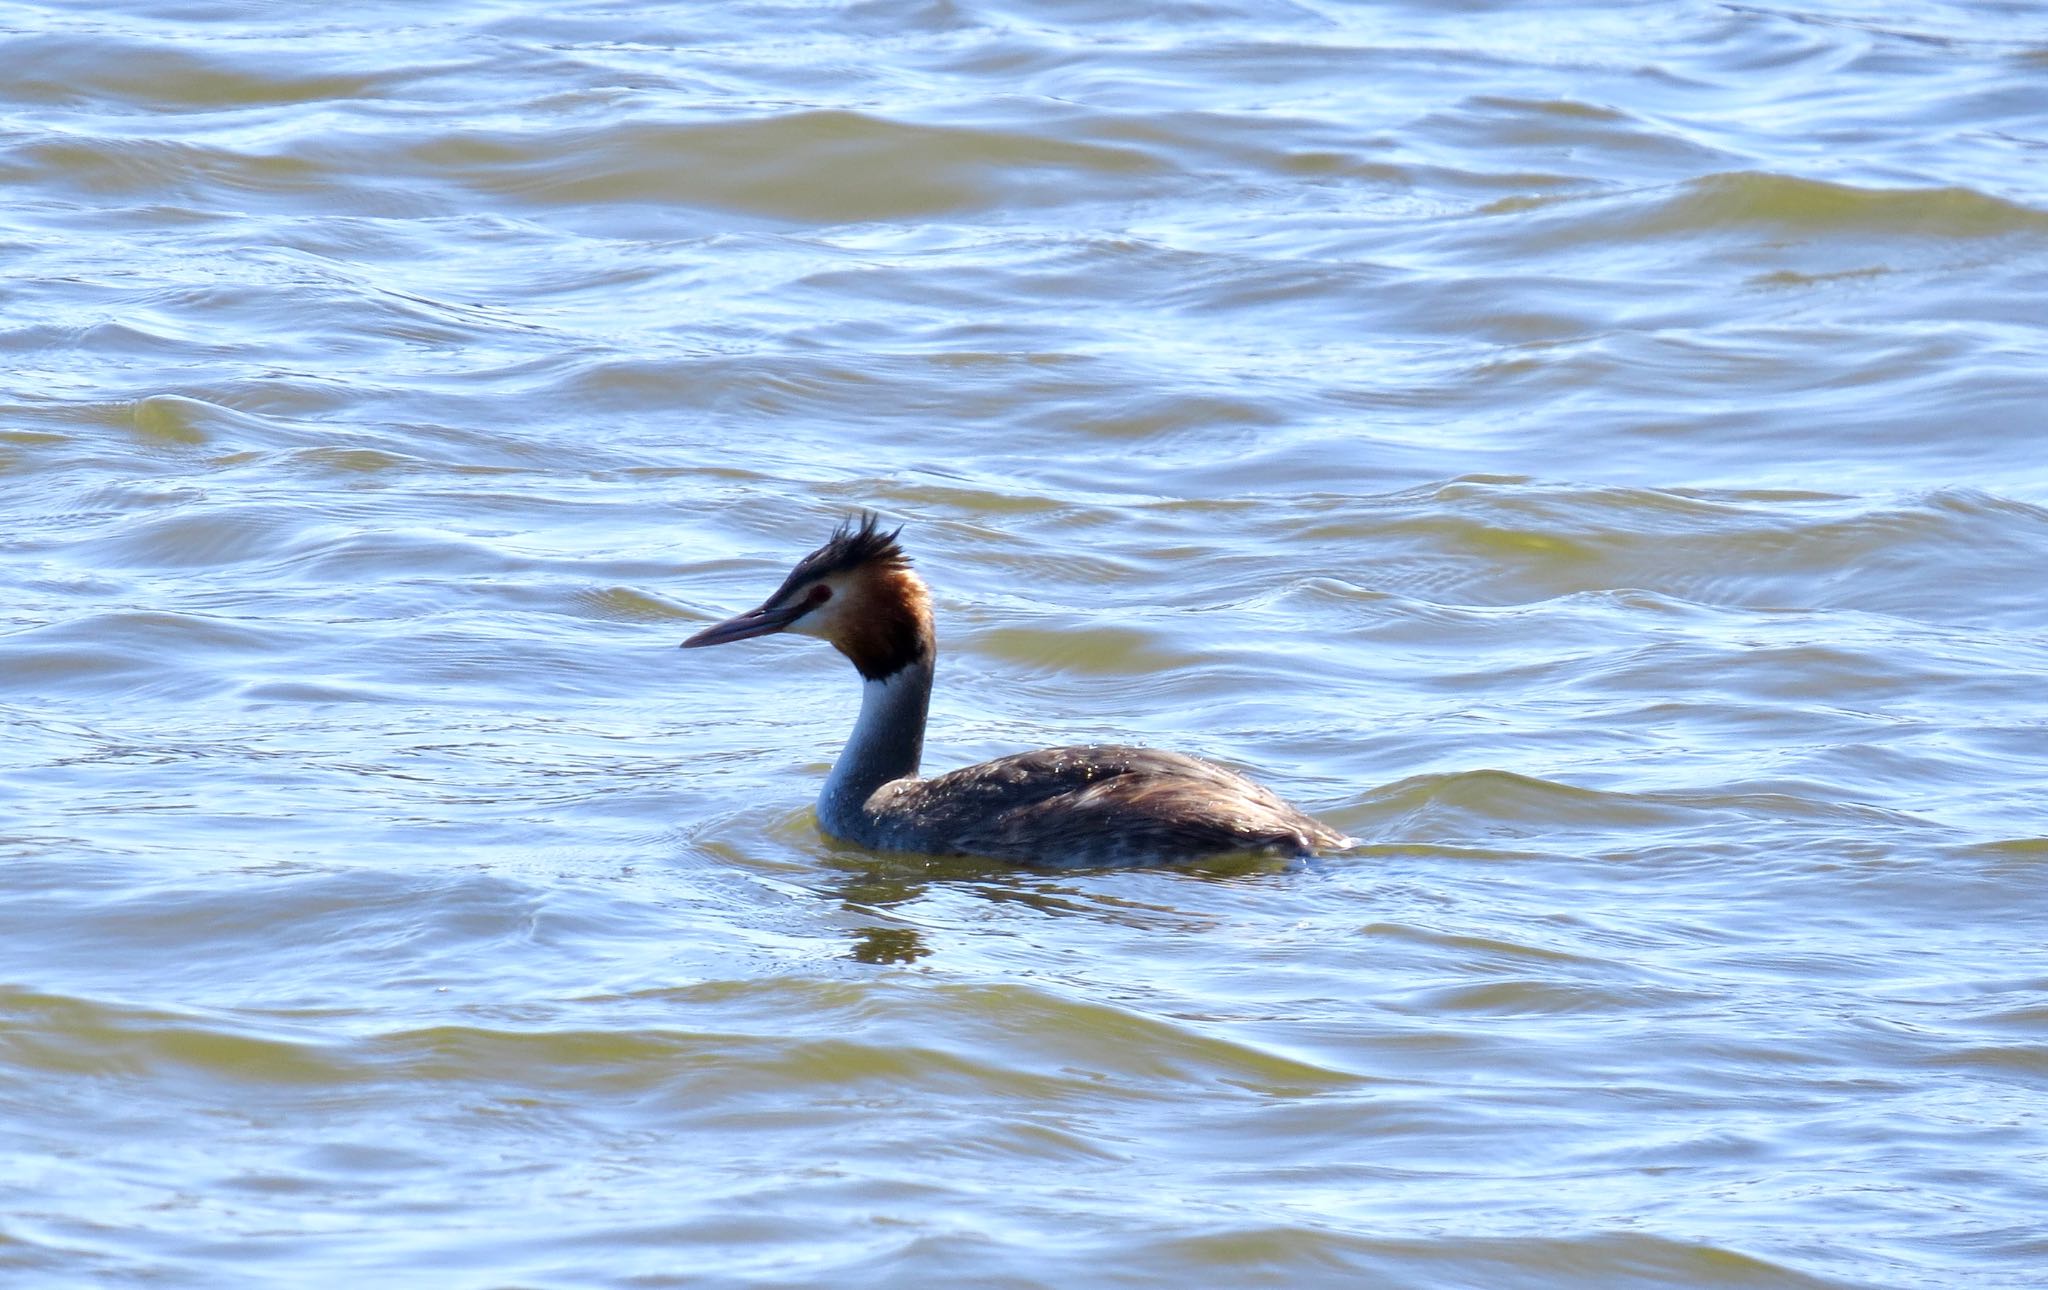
1590,454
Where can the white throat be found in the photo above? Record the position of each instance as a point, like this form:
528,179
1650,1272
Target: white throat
887,743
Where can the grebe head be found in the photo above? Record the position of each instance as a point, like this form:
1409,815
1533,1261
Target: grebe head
857,591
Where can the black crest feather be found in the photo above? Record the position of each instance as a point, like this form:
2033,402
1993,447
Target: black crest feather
856,542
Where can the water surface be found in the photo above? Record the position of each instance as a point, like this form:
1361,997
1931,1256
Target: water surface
1589,452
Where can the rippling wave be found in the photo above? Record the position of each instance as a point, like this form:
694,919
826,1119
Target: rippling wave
1586,452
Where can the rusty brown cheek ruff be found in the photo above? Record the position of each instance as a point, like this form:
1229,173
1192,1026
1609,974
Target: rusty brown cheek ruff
883,642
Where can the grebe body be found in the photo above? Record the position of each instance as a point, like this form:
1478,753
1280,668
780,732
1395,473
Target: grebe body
1094,804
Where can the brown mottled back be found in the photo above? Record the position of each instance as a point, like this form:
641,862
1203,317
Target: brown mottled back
1095,804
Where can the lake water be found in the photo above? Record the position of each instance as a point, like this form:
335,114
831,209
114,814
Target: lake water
1592,453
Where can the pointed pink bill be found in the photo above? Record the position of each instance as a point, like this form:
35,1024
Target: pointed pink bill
755,622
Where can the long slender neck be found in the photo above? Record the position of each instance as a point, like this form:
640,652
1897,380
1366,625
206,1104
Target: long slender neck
886,744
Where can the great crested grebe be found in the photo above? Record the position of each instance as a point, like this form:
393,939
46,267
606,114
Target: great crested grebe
1094,804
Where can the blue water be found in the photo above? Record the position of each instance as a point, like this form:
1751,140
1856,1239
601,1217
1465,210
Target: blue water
1590,453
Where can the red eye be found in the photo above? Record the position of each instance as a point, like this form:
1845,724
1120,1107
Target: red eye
819,595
